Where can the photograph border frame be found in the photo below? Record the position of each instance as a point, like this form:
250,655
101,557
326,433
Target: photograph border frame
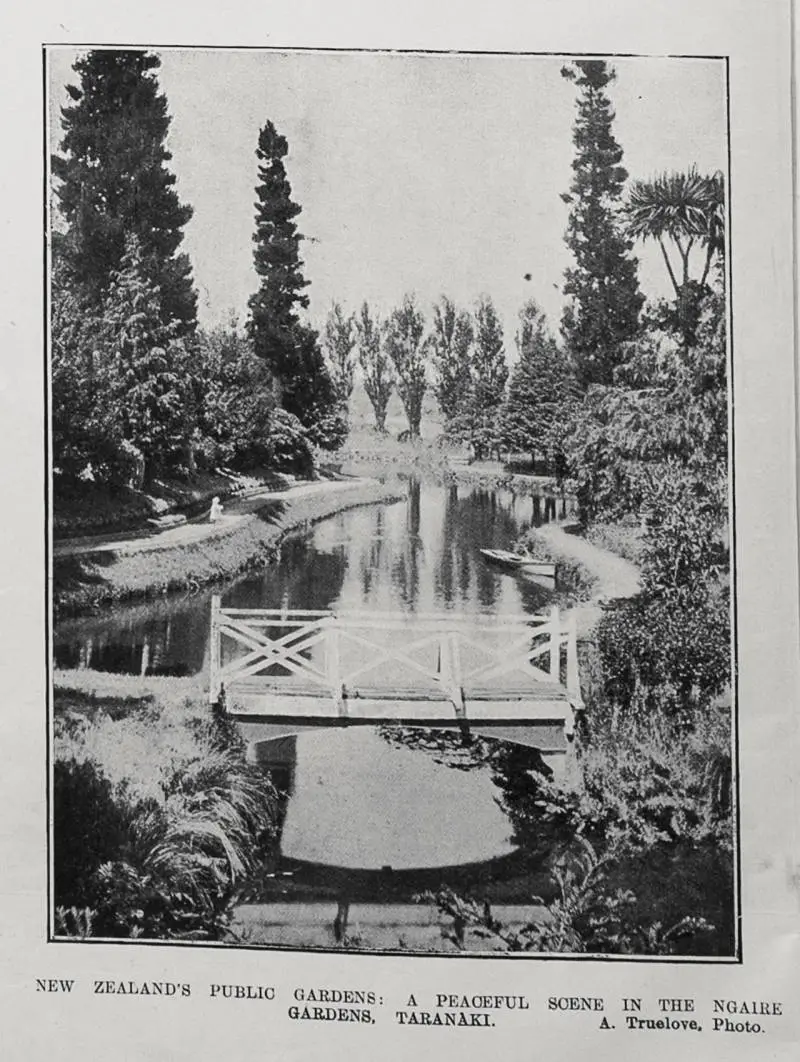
737,956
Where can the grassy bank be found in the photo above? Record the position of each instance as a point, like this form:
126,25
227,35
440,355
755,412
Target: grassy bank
577,582
85,581
369,452
586,574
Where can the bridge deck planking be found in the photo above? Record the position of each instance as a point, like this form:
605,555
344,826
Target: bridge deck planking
276,686
420,710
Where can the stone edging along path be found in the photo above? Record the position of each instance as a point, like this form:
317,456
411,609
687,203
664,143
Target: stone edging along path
103,571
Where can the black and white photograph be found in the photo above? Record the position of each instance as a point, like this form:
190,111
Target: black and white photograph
390,502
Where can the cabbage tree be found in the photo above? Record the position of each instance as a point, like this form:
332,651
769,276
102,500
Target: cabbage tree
686,209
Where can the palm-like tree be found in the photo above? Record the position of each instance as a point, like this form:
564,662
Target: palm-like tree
688,209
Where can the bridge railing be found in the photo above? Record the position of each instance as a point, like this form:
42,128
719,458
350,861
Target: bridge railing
333,654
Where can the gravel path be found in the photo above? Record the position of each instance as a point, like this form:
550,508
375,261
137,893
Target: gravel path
616,577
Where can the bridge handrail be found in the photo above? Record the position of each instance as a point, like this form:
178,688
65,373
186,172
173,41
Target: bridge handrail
307,627
278,617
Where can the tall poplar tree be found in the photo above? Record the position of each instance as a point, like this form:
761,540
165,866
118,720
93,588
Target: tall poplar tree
376,367
404,345
340,340
451,343
286,343
113,182
477,421
489,367
603,286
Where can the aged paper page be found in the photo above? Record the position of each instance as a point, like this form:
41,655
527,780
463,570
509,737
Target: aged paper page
400,570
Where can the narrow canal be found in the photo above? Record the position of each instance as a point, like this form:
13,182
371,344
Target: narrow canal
371,814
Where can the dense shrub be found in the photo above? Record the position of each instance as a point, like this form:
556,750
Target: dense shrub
645,785
639,853
89,825
666,409
666,655
685,546
328,430
287,445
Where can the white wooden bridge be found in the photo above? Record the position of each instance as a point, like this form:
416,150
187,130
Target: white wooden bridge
324,668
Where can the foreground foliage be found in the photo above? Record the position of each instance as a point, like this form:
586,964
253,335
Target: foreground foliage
160,850
640,853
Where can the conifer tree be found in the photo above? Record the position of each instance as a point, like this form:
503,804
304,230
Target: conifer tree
404,345
145,366
376,367
113,181
287,344
603,287
451,345
541,392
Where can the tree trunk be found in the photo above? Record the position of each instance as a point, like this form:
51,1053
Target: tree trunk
141,472
188,456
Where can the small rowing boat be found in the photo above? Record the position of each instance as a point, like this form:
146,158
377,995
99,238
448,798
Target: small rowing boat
528,565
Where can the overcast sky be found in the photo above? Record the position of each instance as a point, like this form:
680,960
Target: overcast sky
426,173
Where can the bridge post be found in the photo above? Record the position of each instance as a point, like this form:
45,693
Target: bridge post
456,687
449,668
333,669
573,674
214,651
555,644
